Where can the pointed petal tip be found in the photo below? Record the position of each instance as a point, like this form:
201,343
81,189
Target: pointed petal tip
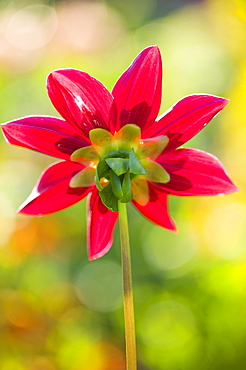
55,71
150,51
22,211
5,135
55,75
232,189
154,49
172,227
19,210
92,257
22,208
50,76
216,97
59,71
174,230
224,101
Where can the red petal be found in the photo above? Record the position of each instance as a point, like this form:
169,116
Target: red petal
48,135
101,222
186,118
195,172
157,210
138,91
81,99
52,192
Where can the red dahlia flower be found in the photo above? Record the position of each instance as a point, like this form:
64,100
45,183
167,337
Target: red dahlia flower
113,148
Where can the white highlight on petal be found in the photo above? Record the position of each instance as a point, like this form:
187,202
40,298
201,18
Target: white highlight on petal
34,194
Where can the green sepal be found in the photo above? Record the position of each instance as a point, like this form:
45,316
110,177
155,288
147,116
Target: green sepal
140,189
152,148
108,198
130,133
116,185
155,172
101,171
100,137
83,178
85,155
126,188
118,165
135,165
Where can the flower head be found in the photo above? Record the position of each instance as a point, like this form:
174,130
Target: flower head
113,148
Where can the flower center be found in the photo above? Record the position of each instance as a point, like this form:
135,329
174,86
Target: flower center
121,165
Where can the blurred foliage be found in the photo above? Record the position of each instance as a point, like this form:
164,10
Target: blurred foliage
59,311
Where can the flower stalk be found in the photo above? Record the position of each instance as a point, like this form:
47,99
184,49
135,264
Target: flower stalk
130,337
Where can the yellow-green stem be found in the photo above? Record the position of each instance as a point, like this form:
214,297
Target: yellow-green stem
131,358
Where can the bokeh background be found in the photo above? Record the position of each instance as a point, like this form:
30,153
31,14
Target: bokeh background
57,310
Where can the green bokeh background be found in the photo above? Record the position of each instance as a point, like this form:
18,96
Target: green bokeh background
57,310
